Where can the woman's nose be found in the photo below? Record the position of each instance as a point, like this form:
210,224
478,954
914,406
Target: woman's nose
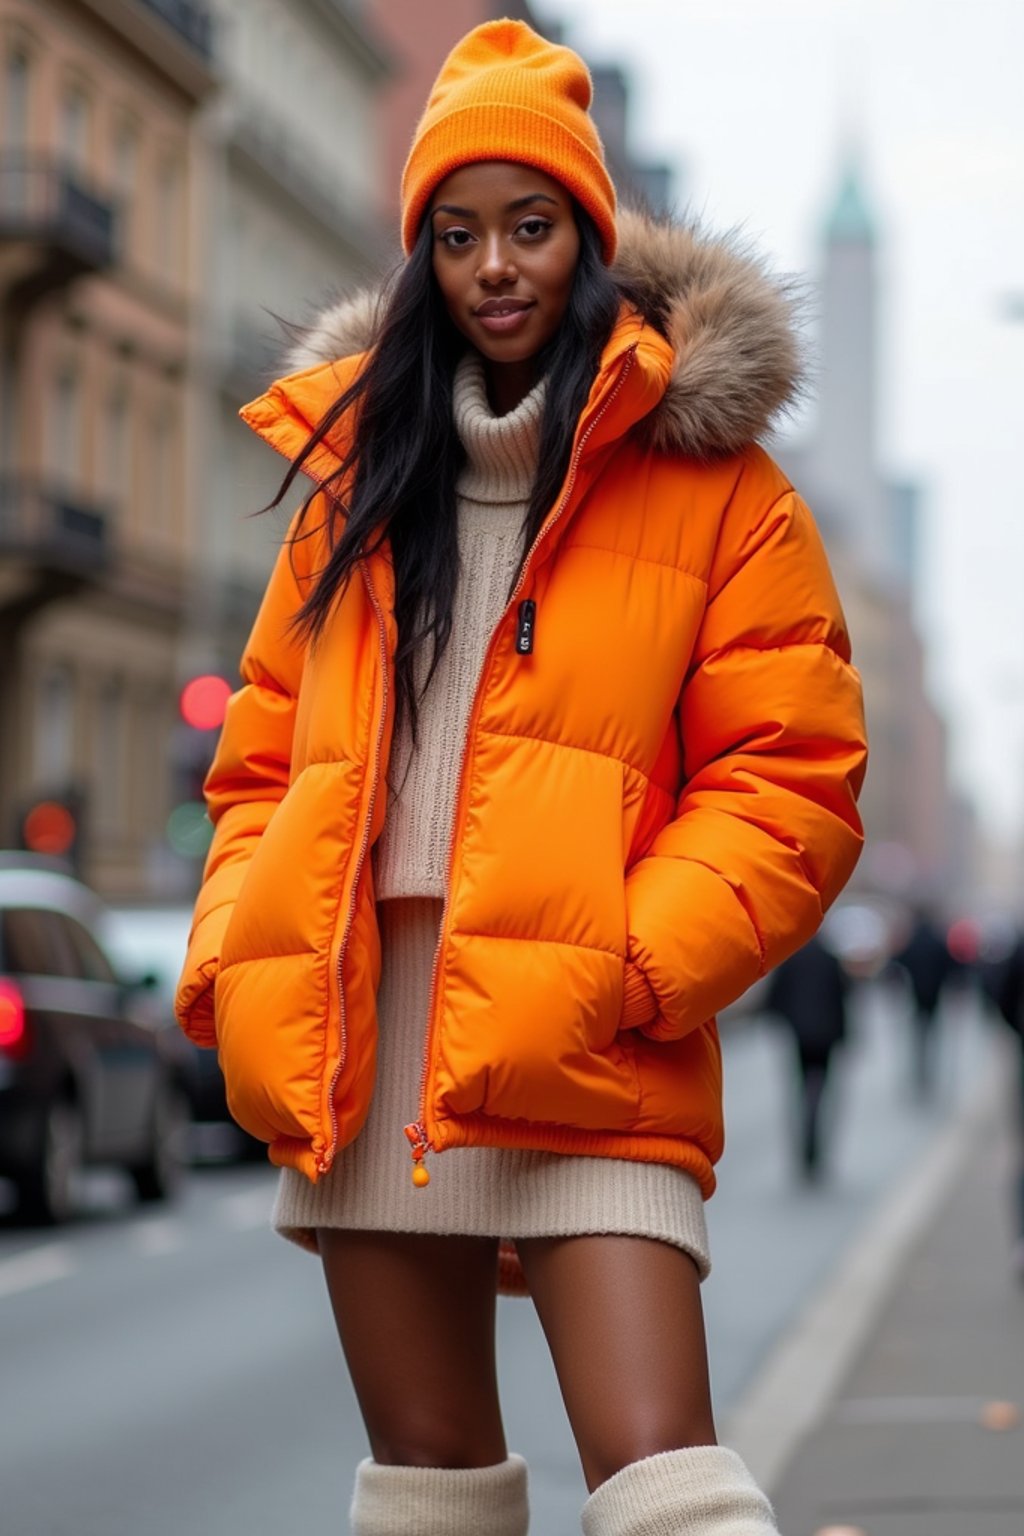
496,264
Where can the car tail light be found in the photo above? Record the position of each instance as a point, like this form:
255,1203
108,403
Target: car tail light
13,1028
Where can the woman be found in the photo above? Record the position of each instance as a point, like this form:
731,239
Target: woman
548,747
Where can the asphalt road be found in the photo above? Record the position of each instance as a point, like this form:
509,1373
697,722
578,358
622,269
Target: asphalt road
176,1372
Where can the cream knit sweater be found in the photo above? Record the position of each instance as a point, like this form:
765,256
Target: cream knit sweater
482,1191
493,494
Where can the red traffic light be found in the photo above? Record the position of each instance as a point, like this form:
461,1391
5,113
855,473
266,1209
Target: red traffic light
49,827
203,702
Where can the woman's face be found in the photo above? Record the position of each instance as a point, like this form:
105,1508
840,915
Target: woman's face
505,252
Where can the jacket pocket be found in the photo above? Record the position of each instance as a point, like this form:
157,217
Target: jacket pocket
288,900
277,1003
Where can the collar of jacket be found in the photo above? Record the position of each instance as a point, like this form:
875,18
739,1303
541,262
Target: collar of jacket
731,363
287,414
634,373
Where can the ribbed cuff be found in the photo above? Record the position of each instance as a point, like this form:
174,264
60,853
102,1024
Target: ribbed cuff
705,1490
639,1004
440,1501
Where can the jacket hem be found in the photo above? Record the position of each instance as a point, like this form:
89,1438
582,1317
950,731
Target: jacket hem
490,1131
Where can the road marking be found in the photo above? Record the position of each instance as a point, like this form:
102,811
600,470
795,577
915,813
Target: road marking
804,1372
248,1209
153,1238
39,1266
913,1410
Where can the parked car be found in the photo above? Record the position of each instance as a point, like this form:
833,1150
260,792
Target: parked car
86,1078
153,939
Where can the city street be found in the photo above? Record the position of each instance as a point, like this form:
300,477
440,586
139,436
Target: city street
177,1371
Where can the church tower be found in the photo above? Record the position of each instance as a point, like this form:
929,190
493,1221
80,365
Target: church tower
843,455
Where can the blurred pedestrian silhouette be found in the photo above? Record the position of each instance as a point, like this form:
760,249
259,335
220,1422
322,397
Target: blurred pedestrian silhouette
1002,977
808,993
927,964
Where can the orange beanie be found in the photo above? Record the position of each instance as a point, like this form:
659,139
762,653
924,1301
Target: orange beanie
504,93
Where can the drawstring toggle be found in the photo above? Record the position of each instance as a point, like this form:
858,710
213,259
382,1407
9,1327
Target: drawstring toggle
525,629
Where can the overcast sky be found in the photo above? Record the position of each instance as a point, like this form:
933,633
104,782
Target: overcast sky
753,99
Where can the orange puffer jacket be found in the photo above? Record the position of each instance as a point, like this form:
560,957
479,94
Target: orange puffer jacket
666,781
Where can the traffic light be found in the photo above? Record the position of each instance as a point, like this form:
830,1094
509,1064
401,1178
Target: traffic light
201,706
50,822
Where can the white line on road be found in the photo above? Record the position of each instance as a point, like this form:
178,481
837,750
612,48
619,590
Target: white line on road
248,1209
38,1266
911,1410
804,1372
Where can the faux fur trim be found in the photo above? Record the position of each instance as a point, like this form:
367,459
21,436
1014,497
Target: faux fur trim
344,328
734,327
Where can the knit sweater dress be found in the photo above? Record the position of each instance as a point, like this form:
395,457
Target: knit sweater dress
475,1191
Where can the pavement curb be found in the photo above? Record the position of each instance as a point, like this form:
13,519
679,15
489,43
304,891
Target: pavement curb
804,1372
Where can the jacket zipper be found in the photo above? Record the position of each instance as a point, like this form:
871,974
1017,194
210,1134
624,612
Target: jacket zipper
416,1132
328,1157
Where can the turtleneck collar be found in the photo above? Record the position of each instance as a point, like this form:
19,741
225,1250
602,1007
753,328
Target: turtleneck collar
501,451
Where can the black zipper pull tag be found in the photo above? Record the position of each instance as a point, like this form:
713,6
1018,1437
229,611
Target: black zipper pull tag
524,633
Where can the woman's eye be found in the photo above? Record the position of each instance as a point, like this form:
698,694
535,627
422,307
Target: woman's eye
455,239
534,228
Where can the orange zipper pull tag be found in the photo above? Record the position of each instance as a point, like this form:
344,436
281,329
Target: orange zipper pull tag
417,1137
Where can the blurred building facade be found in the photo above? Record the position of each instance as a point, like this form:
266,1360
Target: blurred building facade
100,483
173,175
917,825
294,173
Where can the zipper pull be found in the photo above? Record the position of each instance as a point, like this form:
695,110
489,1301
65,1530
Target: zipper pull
524,632
417,1137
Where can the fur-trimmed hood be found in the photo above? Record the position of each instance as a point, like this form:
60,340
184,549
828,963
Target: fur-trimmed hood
733,327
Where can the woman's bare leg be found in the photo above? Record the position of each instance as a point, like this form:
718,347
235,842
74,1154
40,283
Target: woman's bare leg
415,1315
625,1326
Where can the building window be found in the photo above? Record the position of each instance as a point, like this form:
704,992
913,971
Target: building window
65,452
126,183
169,222
17,83
162,475
116,461
109,775
54,733
10,408
150,722
75,127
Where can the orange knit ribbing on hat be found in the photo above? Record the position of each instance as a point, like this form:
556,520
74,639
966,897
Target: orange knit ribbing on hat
505,93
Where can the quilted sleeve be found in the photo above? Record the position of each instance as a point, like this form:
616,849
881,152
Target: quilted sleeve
766,830
247,780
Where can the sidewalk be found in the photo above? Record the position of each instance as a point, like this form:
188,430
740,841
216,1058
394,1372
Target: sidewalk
926,1434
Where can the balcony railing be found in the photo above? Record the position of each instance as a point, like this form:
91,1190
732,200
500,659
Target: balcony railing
178,37
53,531
192,22
69,229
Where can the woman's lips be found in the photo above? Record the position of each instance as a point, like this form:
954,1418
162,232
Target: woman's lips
504,319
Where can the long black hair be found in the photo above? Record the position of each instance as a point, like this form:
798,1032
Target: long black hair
397,480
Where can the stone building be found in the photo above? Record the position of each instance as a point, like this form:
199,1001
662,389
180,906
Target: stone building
871,525
294,159
101,172
173,175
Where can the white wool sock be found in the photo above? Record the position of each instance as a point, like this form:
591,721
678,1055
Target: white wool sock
440,1501
705,1490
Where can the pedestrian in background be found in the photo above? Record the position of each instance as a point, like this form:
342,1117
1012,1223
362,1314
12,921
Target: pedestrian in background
928,965
808,992
1002,978
548,747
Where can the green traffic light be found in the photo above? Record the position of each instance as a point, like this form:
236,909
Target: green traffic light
189,830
